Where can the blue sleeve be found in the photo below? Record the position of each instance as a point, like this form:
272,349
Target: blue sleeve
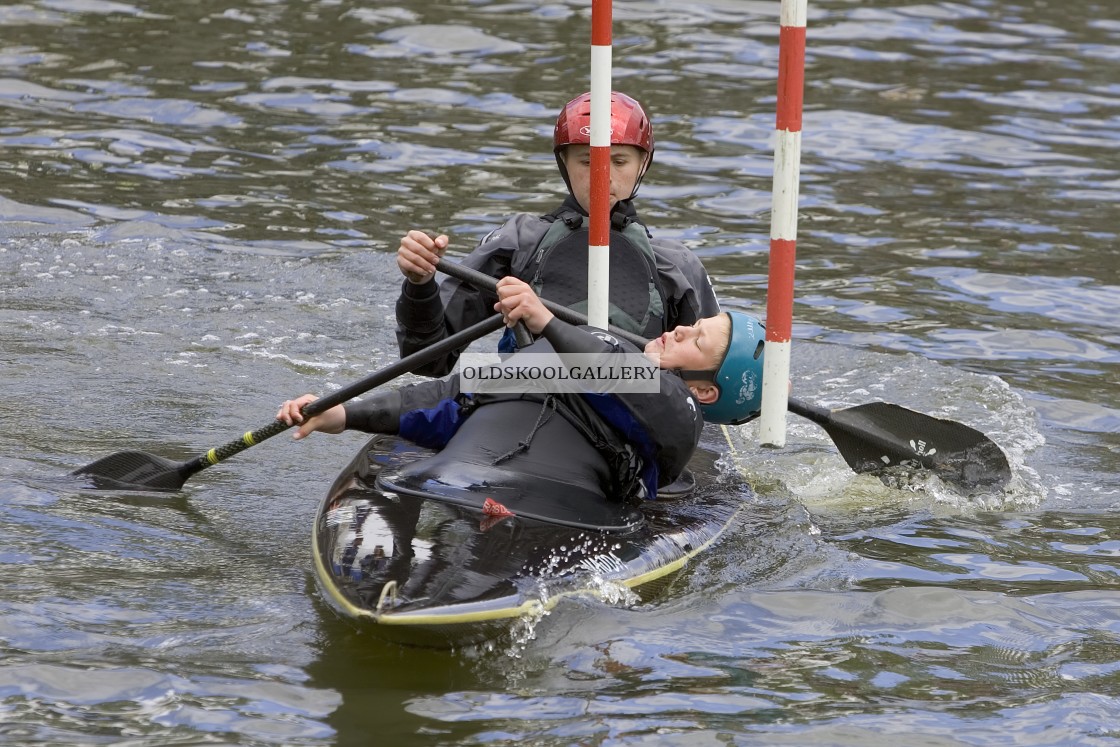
432,427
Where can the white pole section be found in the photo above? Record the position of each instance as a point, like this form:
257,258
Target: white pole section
783,223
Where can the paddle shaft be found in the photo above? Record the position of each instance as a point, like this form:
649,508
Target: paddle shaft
819,415
382,376
869,437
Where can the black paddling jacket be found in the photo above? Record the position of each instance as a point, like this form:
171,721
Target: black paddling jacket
630,443
430,312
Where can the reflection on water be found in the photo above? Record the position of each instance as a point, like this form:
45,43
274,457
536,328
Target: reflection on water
200,202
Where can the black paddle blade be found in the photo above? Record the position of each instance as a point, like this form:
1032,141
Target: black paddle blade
878,436
136,470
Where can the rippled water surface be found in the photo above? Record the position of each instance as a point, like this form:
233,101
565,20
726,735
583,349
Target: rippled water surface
200,203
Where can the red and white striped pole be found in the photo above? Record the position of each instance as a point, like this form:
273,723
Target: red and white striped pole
599,240
783,223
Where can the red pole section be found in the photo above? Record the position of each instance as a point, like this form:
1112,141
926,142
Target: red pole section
783,223
599,240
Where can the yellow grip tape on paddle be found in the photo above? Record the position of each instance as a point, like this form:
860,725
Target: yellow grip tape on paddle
213,457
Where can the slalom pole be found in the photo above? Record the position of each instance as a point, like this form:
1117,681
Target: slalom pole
599,227
783,223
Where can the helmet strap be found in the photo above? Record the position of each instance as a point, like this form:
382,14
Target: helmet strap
564,171
641,173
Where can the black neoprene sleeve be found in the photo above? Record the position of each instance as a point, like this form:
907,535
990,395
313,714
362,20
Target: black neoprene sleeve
379,413
567,338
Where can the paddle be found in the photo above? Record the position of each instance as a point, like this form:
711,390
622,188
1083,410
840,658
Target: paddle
132,470
872,438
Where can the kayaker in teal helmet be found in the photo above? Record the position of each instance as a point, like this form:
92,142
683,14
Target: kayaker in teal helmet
623,444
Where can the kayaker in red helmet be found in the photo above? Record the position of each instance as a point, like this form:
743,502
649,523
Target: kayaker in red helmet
655,284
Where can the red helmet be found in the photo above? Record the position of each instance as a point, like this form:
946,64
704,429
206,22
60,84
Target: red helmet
629,126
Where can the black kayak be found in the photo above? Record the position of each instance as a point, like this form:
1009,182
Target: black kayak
436,552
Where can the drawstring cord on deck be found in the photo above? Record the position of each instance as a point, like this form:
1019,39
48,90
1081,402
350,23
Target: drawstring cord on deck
547,411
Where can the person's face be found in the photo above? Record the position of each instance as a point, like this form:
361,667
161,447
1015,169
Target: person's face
626,166
696,348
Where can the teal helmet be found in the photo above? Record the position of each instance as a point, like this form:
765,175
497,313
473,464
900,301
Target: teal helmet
739,376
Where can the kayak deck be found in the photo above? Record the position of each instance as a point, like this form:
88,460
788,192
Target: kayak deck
422,554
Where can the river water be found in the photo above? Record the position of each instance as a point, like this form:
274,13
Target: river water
201,202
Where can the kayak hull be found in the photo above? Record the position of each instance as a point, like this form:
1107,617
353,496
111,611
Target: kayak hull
453,559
